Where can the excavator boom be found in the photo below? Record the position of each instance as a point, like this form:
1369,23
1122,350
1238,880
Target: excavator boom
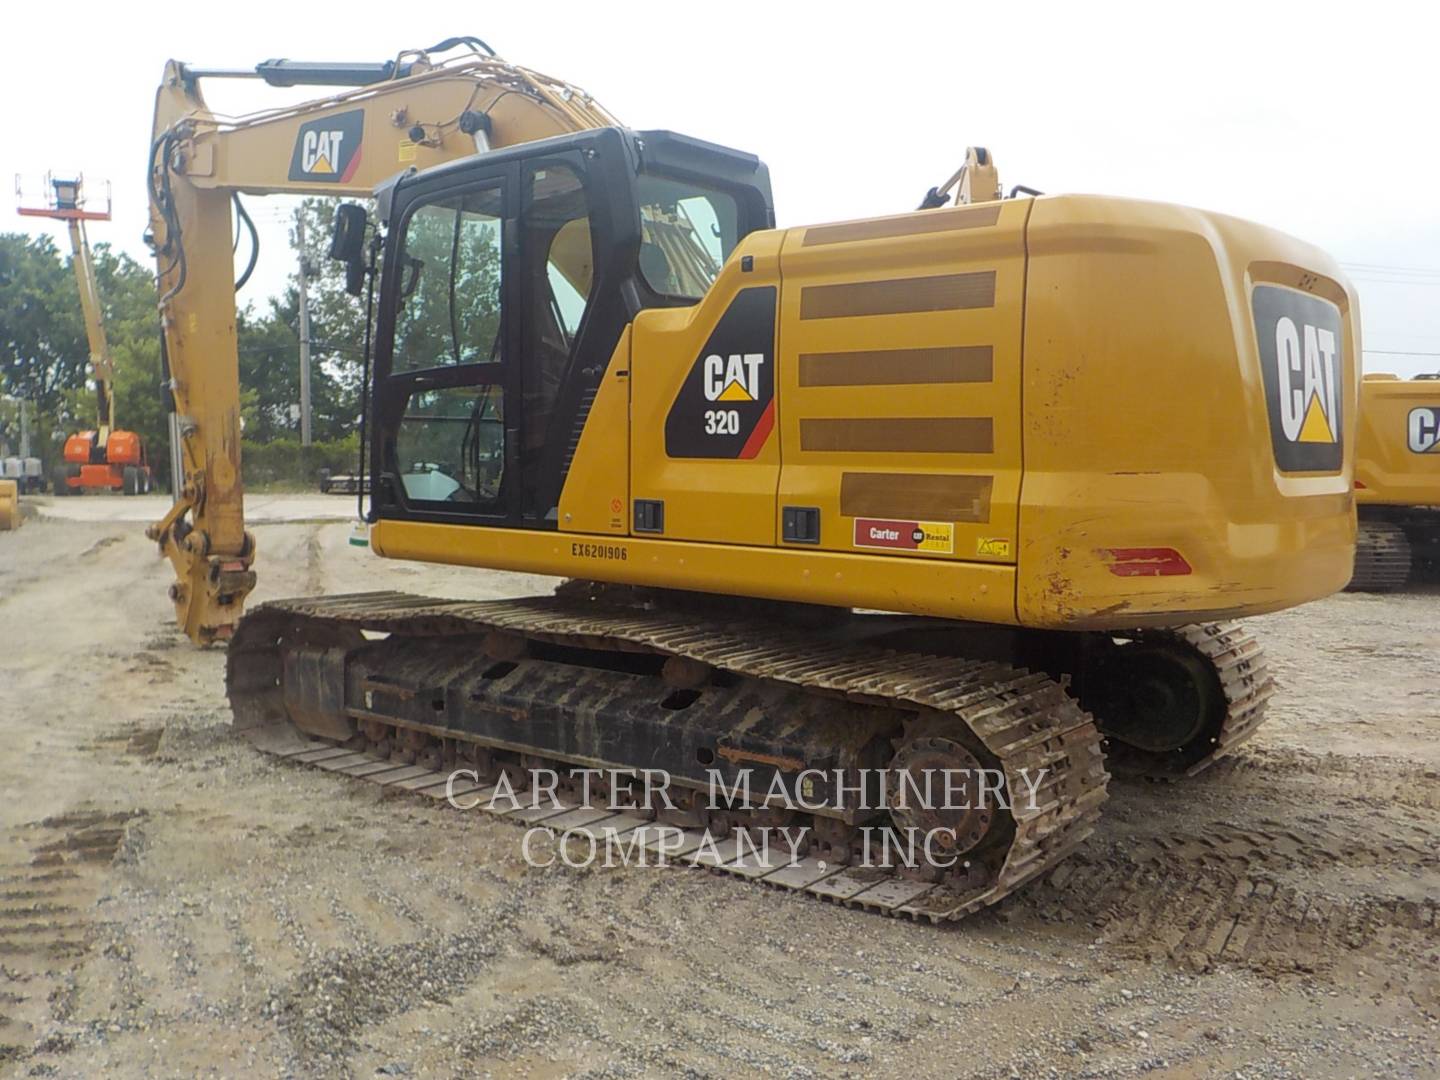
423,115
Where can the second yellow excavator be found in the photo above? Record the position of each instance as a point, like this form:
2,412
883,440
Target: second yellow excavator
965,491
1397,481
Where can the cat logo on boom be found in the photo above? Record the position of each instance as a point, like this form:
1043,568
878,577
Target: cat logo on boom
1301,346
328,150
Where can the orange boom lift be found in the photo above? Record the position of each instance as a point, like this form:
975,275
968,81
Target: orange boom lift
107,458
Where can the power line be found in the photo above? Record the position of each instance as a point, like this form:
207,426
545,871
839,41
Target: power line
1392,267
1423,283
1394,273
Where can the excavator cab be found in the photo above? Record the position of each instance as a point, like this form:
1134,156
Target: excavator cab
508,281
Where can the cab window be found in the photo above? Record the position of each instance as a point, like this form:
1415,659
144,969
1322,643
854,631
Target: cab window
448,305
687,233
451,445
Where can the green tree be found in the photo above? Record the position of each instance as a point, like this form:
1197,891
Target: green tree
269,348
44,354
42,333
269,344
337,319
132,326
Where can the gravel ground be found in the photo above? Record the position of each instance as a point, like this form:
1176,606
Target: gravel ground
173,903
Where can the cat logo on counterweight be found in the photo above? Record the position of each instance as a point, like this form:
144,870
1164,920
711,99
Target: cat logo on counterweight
1302,362
1423,430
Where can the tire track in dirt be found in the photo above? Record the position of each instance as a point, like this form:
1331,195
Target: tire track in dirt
50,874
1260,898
314,562
1378,781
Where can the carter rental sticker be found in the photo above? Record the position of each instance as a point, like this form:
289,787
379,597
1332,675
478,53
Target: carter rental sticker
905,535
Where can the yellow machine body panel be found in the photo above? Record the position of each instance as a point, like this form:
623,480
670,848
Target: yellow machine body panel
596,498
899,373
841,579
710,500
1069,412
1397,453
1155,468
10,516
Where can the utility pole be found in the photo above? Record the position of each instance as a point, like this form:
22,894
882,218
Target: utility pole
24,428
304,332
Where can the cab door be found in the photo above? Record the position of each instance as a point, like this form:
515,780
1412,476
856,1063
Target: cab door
497,323
448,388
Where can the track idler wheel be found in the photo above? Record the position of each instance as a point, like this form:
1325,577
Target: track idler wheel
1159,697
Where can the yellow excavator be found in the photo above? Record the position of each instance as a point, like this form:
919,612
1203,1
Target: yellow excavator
1397,481
974,490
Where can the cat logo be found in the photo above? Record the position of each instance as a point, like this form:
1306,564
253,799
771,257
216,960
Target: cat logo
735,379
328,150
725,408
1307,375
318,148
1424,430
1301,356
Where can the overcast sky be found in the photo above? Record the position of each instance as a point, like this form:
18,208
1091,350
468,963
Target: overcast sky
1319,120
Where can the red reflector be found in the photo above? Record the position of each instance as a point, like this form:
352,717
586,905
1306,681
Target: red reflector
1359,484
1146,562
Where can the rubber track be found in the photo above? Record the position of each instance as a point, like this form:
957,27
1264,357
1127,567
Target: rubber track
1027,721
1382,558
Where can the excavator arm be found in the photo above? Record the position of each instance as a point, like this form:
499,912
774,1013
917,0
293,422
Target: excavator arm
419,114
